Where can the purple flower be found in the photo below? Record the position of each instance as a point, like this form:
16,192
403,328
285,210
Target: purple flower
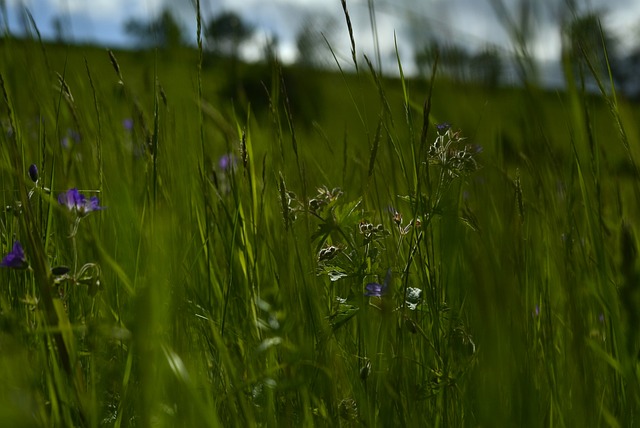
226,162
15,259
127,124
71,198
76,201
443,127
377,290
476,148
71,138
33,173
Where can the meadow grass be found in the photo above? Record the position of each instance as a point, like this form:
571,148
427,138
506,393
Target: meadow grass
258,266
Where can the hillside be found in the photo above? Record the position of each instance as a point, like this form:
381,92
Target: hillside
244,245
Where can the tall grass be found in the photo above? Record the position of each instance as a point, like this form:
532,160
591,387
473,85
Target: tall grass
371,269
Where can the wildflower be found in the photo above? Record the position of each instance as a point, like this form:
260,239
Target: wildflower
375,290
445,152
70,139
414,296
328,253
365,369
443,127
15,259
348,409
378,290
227,162
76,201
395,215
33,173
397,219
324,198
365,227
536,311
127,124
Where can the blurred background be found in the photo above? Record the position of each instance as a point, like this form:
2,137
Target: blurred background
484,40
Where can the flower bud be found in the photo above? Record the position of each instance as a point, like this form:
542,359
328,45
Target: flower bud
33,173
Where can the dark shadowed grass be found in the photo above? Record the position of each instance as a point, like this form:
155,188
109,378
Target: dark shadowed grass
224,283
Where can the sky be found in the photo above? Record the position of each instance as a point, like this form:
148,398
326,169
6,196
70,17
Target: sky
470,23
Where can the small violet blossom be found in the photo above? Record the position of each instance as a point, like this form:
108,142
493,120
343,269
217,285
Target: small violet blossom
70,139
76,201
378,290
536,311
127,124
16,258
227,162
443,127
33,173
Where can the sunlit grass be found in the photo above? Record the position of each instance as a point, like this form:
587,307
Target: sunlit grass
233,293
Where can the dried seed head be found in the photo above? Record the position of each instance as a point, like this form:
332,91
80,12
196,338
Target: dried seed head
397,218
365,370
328,253
444,151
60,270
348,409
316,204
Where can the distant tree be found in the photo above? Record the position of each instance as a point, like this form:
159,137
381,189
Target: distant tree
626,73
486,67
59,28
310,40
589,46
5,18
425,57
521,20
625,68
163,31
453,60
226,33
270,49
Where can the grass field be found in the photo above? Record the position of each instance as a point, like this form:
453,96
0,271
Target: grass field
311,249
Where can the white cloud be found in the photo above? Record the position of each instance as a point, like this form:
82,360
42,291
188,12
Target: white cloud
470,23
107,8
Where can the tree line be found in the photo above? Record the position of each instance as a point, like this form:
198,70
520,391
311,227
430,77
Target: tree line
587,45
226,33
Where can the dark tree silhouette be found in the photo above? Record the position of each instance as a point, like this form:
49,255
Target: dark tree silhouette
270,49
590,46
486,67
312,38
163,31
226,33
626,73
453,60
